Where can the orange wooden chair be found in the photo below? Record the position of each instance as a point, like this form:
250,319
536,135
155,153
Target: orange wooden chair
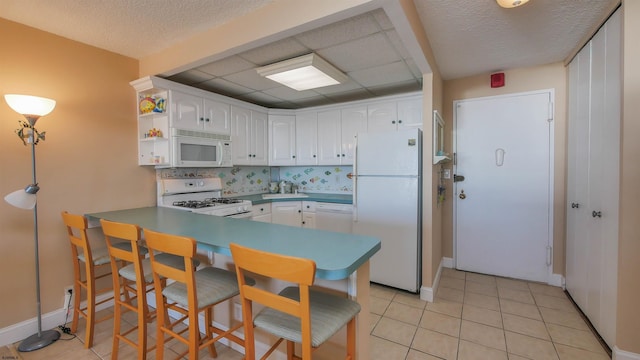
83,258
297,314
190,293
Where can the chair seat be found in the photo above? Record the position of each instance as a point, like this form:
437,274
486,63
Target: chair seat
129,272
101,256
213,285
329,313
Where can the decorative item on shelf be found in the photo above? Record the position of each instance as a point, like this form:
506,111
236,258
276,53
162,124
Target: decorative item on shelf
147,104
153,133
160,105
151,104
32,108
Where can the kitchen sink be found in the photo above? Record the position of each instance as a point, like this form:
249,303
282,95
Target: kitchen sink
284,196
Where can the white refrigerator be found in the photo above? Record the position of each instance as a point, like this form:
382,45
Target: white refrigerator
387,204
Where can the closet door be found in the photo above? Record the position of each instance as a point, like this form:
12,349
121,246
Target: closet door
593,177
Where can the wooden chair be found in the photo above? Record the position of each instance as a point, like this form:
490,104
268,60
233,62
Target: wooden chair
191,292
83,257
297,314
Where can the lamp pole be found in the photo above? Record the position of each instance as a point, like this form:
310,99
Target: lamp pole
32,108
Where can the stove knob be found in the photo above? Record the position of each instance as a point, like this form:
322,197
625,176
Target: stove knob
200,183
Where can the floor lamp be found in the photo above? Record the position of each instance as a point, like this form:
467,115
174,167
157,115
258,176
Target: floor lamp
32,108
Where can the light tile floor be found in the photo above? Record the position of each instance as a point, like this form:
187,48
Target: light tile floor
478,316
474,316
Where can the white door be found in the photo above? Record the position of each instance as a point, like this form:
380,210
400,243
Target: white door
503,207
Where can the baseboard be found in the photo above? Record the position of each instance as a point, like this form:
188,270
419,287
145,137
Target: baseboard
51,320
429,293
624,355
556,280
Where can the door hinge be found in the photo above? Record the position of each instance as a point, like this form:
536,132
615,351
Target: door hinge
549,255
550,114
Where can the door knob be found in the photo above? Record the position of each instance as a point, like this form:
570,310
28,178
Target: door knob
596,214
458,178
462,195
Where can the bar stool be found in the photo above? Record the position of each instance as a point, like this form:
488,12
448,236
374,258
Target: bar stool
296,314
83,257
191,292
134,280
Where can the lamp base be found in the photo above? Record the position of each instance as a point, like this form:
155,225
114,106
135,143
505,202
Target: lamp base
35,342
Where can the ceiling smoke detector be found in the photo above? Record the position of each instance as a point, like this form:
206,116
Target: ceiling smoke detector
511,3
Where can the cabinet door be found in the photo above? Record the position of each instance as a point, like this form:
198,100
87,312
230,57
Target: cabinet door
308,220
186,111
241,135
282,140
329,138
217,117
258,143
287,213
410,113
261,212
382,117
306,138
354,121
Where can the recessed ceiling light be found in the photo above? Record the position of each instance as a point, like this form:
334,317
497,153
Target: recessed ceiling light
304,72
511,3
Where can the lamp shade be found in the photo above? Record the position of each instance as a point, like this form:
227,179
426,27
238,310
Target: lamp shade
21,199
511,3
30,105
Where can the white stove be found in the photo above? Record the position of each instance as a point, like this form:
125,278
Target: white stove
203,196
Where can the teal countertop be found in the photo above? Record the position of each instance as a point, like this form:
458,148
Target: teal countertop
319,197
336,255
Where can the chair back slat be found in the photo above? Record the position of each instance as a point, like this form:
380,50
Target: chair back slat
175,245
282,267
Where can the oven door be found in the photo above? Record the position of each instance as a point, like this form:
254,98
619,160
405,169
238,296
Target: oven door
246,215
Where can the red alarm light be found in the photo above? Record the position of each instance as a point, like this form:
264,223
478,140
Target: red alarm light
497,80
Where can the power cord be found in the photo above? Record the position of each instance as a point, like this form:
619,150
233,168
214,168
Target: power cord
64,328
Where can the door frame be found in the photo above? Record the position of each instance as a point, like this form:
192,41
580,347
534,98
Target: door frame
550,181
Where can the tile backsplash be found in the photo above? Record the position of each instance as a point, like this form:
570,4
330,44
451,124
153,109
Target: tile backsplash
247,180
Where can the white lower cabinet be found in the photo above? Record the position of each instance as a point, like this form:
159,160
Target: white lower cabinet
309,214
287,213
261,212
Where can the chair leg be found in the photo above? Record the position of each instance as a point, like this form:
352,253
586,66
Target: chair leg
291,350
208,319
351,339
76,305
91,313
161,322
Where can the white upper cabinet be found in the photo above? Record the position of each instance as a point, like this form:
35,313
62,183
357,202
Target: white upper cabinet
190,112
410,113
382,117
248,136
306,138
395,115
282,140
354,120
329,137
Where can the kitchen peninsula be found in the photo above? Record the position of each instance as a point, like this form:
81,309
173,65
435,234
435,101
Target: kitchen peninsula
338,256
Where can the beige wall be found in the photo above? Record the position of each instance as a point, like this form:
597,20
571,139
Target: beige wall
628,324
86,164
551,76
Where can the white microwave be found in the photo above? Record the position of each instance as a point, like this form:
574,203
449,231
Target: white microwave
200,149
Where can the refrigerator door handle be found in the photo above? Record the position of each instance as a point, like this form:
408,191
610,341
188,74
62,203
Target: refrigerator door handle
355,181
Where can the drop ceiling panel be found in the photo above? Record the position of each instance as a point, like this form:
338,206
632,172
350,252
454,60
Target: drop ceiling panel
230,65
363,53
341,32
274,52
251,79
383,74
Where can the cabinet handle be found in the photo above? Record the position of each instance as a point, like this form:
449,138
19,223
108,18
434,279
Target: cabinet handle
342,155
308,206
338,155
206,120
201,119
575,205
393,122
314,156
299,211
596,214
399,121
303,223
293,156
